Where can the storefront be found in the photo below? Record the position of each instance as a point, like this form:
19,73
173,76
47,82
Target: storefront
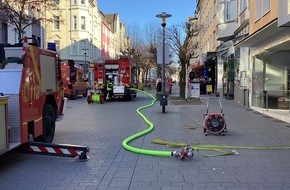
269,67
271,72
208,80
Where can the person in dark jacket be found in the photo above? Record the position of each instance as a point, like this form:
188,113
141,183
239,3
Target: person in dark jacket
158,86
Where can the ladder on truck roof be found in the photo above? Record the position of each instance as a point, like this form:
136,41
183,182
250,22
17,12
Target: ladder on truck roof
100,74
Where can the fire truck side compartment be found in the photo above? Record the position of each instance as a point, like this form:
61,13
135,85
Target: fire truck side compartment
12,77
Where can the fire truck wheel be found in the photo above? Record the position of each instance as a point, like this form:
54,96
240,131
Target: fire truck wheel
48,116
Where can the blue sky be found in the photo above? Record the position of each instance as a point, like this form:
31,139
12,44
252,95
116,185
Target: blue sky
143,12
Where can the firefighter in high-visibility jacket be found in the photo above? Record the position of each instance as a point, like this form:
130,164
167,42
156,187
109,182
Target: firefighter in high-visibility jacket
109,87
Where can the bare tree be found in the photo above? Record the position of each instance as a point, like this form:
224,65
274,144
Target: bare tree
135,34
143,49
152,36
147,62
184,48
21,14
171,70
134,52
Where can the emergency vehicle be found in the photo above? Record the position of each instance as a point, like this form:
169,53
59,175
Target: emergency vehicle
72,77
120,71
31,100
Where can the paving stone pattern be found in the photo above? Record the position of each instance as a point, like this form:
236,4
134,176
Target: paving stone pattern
103,127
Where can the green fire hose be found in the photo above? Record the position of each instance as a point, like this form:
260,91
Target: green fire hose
220,149
149,129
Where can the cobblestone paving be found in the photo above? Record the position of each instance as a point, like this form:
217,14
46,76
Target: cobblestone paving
103,127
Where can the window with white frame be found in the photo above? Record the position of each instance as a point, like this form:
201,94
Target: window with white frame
56,23
266,6
228,10
243,5
261,8
83,22
257,13
74,22
82,2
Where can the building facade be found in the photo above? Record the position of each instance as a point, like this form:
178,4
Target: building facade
75,30
31,12
269,49
250,39
217,23
206,12
84,33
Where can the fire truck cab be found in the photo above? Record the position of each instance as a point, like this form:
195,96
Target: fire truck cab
120,71
31,95
72,77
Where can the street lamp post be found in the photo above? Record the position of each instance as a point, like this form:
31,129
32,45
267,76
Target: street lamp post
163,99
85,64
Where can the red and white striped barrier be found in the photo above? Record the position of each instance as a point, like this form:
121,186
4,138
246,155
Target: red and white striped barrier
65,150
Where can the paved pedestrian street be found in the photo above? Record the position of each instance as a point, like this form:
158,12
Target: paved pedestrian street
103,128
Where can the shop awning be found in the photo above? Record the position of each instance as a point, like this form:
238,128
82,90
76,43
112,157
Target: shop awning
226,45
210,56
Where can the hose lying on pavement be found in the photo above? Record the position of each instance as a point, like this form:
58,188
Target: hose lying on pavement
149,129
220,149
217,148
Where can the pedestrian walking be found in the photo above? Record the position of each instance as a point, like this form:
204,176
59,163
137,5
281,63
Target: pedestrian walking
158,85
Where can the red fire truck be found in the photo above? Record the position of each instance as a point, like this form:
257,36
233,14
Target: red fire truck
120,71
31,99
73,79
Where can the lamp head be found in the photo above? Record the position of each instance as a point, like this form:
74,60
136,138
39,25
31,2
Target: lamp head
163,16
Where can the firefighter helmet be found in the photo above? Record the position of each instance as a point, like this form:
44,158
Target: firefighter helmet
110,76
